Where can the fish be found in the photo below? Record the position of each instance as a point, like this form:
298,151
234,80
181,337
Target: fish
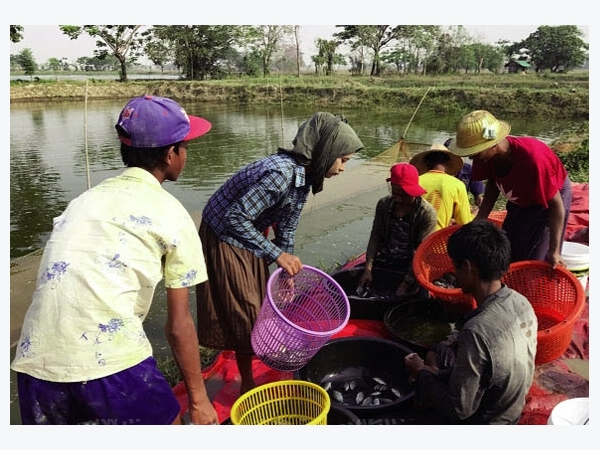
396,392
327,386
375,402
359,398
352,384
367,401
337,396
379,381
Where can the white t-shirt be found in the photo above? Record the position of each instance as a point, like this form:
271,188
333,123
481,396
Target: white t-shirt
107,252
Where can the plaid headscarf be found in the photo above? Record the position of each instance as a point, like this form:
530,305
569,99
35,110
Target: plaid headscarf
320,141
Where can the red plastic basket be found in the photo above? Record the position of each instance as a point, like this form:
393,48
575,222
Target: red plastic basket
558,300
298,316
430,262
497,217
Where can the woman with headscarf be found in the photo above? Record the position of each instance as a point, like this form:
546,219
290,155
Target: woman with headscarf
272,190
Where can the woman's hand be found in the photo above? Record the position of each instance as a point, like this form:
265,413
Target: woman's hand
290,263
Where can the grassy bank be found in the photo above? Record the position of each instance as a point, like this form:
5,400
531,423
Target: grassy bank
532,95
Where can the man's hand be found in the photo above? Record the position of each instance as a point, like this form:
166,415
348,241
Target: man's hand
203,414
413,363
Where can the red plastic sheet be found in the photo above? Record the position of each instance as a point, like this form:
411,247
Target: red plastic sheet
553,382
579,218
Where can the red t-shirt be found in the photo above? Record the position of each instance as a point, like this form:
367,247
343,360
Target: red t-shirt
536,176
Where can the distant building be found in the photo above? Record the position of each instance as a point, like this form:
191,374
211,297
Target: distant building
517,66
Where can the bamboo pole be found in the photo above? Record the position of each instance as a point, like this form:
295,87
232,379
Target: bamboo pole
85,129
403,145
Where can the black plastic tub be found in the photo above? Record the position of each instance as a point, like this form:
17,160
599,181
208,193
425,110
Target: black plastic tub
338,415
355,369
420,324
373,304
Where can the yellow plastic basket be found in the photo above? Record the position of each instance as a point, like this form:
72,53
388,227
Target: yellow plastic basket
289,402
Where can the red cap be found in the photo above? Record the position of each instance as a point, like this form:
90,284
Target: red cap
406,176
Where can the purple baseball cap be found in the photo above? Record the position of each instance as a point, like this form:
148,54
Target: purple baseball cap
152,122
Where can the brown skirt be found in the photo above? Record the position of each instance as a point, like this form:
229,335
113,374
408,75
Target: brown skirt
228,303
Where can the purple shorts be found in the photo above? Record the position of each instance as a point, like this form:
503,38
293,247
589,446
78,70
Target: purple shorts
139,395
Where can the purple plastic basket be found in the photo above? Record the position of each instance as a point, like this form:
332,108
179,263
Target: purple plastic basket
298,316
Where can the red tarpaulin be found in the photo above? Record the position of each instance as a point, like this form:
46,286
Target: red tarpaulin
553,382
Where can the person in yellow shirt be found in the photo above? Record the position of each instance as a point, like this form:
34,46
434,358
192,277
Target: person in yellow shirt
437,168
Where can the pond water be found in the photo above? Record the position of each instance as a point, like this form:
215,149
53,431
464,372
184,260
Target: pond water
58,149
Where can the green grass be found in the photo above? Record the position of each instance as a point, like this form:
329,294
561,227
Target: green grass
169,368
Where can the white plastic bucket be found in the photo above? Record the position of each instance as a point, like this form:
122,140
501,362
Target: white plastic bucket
577,258
574,411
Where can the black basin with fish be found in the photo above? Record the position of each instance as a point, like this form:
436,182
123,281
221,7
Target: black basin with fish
369,304
363,374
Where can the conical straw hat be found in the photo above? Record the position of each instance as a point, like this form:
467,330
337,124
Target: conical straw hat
453,165
478,131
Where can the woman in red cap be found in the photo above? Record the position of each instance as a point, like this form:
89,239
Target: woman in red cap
402,220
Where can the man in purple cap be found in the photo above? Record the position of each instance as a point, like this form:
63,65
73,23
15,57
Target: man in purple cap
402,220
83,356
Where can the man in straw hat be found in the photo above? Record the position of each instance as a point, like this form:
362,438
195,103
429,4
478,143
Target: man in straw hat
529,174
438,168
402,220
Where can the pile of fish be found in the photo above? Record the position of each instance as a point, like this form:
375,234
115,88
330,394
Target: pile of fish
362,392
447,281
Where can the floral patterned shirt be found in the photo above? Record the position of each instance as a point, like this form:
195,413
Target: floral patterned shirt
106,254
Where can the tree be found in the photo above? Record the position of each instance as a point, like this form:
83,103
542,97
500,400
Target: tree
201,51
327,56
558,48
493,59
396,56
54,64
423,40
27,62
252,63
376,37
122,41
265,42
286,60
483,54
159,53
296,38
16,33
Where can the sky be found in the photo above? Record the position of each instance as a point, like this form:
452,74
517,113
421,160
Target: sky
47,41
